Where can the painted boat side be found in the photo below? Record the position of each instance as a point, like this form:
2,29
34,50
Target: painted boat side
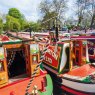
79,86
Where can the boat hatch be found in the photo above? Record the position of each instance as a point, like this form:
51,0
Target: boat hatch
16,62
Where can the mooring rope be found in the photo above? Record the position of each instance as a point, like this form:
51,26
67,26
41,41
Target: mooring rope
32,78
35,70
44,51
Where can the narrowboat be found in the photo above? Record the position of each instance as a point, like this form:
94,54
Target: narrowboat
21,71
68,63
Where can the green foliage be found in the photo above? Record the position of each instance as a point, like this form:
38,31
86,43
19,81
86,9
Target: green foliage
1,26
12,24
35,26
70,26
15,21
24,24
14,12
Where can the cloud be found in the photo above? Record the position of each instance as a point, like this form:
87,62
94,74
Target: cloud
28,7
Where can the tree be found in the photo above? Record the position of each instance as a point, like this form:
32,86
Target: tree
12,24
35,26
92,12
59,7
45,6
14,12
24,25
15,20
86,12
1,26
48,20
80,10
23,22
52,10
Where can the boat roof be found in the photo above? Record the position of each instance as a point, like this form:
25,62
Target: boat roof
82,37
20,35
83,71
4,38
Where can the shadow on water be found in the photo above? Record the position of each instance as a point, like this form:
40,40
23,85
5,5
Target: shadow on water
59,91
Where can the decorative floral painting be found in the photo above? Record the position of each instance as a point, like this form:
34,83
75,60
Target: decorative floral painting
34,48
1,53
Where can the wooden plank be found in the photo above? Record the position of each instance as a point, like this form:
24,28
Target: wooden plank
12,46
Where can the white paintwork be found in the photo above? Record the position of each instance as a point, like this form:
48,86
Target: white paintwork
79,86
64,57
87,56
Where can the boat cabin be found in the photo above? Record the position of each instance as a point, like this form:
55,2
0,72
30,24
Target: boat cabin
66,55
80,51
18,60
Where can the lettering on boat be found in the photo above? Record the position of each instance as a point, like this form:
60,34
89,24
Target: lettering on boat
53,54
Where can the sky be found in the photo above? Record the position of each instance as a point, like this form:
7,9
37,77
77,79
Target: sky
71,8
30,8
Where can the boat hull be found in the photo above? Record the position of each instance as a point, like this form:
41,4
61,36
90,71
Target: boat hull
75,87
80,87
72,91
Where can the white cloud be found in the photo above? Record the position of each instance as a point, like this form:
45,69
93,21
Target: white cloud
28,7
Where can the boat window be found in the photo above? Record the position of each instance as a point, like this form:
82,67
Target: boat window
77,56
34,59
91,51
34,48
1,58
17,64
1,66
1,53
84,51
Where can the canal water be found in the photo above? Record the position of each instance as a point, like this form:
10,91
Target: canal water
58,91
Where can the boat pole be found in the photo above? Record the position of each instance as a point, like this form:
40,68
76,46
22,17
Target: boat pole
30,31
56,30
